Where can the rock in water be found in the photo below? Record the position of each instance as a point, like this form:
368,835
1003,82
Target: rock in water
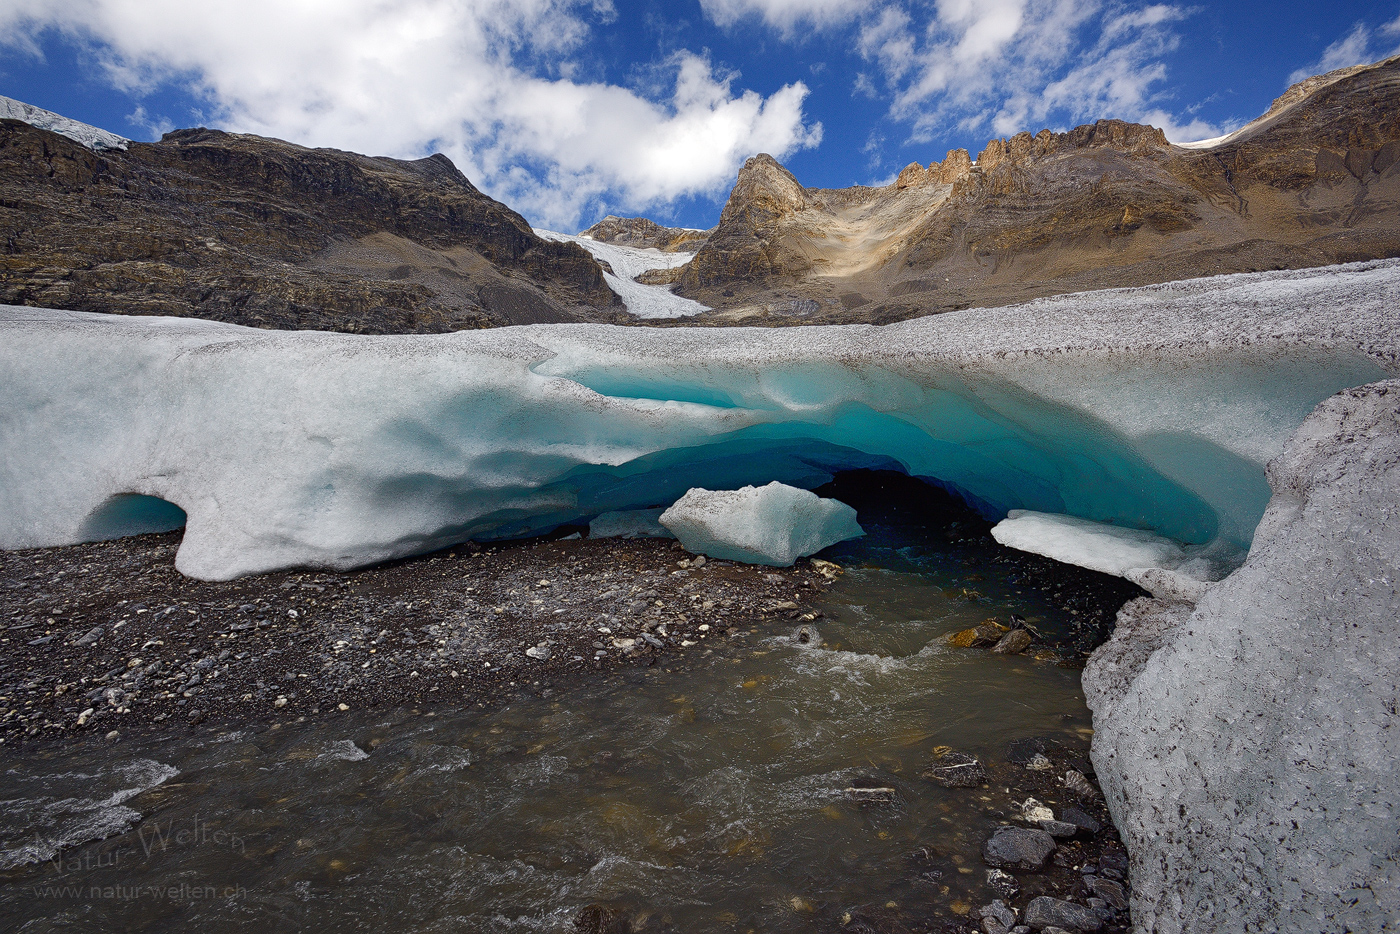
774,524
989,633
1249,761
956,770
1013,643
1018,848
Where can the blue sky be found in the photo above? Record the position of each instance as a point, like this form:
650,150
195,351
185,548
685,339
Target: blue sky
571,109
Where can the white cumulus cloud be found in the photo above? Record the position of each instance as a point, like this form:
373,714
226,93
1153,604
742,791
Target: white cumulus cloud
787,15
1012,65
485,81
1354,48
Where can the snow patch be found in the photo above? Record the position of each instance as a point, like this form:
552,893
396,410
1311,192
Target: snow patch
89,136
774,524
644,301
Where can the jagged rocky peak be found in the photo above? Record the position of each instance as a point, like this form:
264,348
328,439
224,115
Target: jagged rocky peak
1116,134
911,175
764,191
958,164
644,233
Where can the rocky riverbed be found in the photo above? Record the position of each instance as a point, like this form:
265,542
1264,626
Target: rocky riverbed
106,643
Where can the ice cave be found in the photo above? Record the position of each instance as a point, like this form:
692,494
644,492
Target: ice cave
1151,409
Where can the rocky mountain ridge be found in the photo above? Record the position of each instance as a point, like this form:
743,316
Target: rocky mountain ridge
1310,183
256,231
643,233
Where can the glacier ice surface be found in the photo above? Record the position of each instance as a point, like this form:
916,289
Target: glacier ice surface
626,262
774,524
89,136
1154,408
1247,746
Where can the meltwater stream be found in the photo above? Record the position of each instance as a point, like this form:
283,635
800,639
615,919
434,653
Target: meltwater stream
709,797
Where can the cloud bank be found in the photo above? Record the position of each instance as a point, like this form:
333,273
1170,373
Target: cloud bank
488,82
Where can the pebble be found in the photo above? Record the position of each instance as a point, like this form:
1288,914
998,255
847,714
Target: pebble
998,912
1077,783
1034,812
1110,891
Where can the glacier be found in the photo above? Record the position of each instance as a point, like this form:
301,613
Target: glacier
622,264
89,136
1153,408
774,524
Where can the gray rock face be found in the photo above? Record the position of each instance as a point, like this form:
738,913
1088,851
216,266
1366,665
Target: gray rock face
1018,848
1247,749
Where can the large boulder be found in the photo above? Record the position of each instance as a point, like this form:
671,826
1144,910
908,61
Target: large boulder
1248,751
774,524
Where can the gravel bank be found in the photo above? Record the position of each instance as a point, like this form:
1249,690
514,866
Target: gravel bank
109,636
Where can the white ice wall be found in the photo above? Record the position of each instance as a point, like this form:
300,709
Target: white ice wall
1153,408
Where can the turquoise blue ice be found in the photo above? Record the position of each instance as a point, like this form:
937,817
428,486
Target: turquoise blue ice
1154,408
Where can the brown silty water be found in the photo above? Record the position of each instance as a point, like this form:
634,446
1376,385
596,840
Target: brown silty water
710,797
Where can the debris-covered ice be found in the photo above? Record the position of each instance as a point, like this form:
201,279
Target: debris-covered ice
1154,408
774,524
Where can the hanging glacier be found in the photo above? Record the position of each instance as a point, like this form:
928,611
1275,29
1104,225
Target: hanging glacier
1153,408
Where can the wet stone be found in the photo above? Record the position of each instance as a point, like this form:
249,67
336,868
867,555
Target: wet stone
1077,783
1044,913
997,918
1022,751
1060,830
1018,848
599,919
873,921
1003,883
1114,861
984,634
873,796
1080,819
956,770
1013,643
